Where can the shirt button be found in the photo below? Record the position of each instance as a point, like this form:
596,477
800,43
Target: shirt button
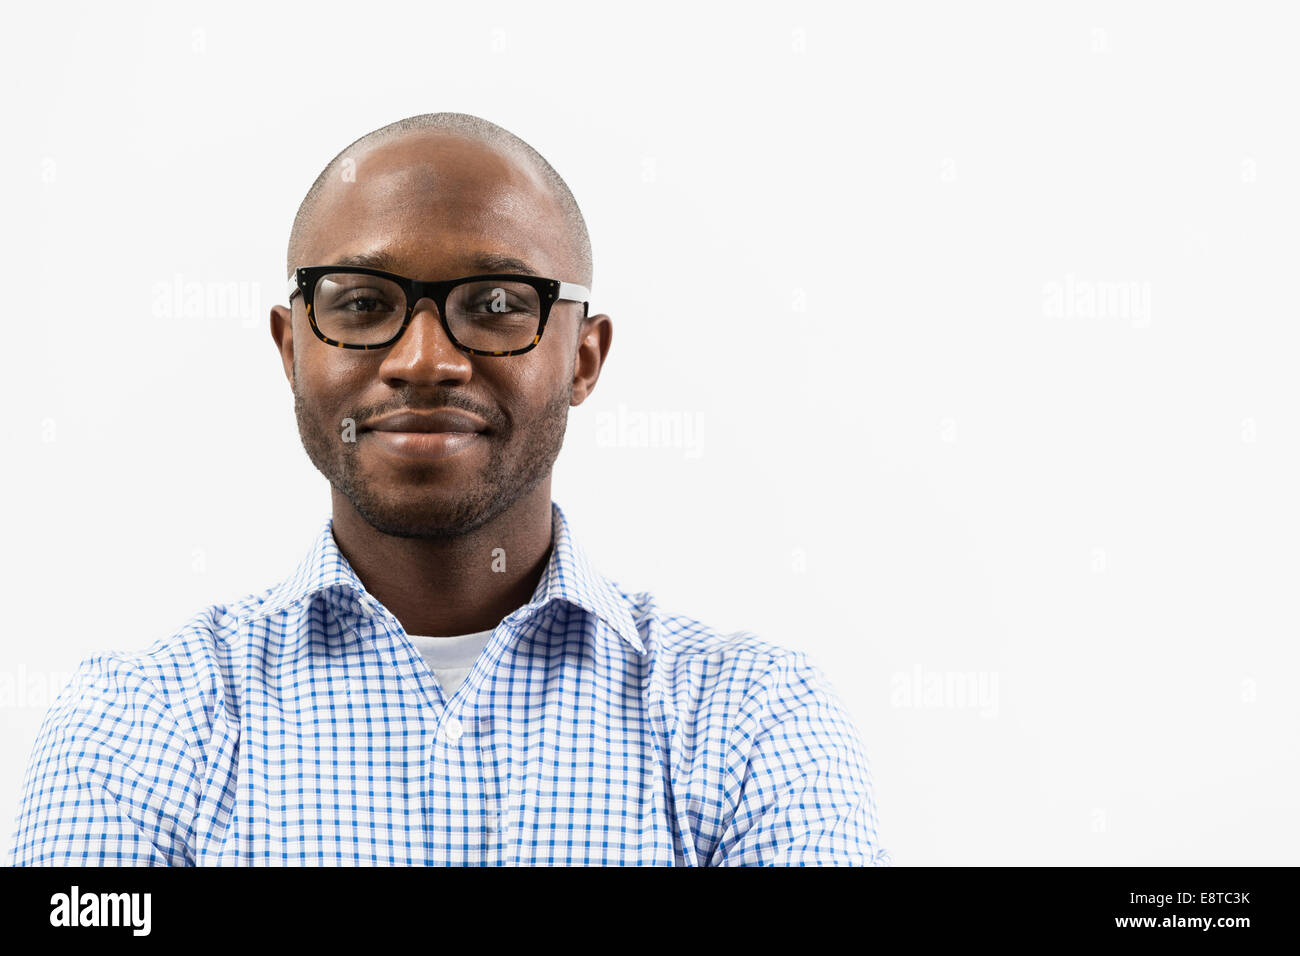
505,820
451,729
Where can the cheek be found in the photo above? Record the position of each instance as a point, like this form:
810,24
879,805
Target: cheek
527,394
331,389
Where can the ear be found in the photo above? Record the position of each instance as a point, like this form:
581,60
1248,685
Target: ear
282,333
597,331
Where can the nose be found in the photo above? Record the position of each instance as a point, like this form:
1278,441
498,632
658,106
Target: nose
424,355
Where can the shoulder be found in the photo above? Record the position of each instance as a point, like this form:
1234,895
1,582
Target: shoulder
767,761
727,676
174,686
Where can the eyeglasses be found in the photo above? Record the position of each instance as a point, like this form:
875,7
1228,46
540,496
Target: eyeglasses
498,314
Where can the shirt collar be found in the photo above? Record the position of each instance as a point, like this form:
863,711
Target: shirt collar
569,576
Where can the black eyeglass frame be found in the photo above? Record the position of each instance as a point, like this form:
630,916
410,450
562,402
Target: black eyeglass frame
549,291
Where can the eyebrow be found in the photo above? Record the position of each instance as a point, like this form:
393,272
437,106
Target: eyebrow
479,261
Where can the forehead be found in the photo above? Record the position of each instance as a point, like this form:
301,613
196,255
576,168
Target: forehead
434,202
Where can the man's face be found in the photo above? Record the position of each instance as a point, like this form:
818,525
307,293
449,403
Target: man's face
433,205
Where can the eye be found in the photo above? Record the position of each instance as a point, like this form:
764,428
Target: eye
496,305
366,303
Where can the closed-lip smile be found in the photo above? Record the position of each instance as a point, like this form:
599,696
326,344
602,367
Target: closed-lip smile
443,420
425,436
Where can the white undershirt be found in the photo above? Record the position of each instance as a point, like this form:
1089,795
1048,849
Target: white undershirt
451,658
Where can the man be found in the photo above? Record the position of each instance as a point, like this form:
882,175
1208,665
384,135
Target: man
446,678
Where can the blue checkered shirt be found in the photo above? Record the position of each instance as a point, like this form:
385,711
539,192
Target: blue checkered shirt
300,725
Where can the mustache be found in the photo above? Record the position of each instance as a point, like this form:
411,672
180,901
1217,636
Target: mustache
412,403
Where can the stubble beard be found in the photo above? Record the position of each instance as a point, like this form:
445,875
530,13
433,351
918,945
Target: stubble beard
515,466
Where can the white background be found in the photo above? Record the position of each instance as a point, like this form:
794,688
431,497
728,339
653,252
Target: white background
985,320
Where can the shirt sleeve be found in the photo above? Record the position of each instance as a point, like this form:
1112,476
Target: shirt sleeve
804,786
110,781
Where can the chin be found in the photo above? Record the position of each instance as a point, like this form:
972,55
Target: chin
422,515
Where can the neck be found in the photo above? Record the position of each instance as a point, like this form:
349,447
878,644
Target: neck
450,586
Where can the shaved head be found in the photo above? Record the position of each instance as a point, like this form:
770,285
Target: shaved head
437,197
467,127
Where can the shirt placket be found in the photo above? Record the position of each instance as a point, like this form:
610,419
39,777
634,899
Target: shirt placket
482,815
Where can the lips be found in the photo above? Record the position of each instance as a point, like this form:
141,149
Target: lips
425,437
443,420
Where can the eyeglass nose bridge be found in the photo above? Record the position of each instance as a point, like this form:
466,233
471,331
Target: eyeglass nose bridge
422,292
